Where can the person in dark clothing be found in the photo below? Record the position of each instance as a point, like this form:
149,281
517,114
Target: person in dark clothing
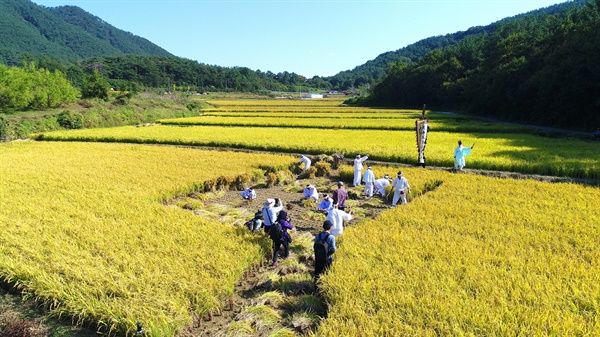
322,263
340,196
285,239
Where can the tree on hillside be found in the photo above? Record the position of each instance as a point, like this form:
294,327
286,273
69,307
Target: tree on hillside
95,86
33,87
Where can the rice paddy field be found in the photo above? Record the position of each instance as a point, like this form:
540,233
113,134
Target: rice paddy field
514,152
87,230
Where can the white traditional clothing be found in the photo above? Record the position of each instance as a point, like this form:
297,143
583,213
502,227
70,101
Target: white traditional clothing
381,184
401,185
358,167
337,217
368,179
248,193
460,152
311,192
304,159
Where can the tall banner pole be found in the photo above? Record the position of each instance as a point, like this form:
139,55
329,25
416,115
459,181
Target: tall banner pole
421,128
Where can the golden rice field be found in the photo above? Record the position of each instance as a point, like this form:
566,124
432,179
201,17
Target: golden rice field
374,121
494,151
85,231
278,103
478,256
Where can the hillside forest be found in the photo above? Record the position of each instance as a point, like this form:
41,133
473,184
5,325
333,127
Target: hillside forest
534,69
537,68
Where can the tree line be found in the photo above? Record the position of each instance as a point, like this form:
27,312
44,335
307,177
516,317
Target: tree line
533,69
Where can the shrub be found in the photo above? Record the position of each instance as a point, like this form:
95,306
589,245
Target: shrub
4,129
70,120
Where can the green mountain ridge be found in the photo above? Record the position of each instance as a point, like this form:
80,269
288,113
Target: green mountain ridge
65,33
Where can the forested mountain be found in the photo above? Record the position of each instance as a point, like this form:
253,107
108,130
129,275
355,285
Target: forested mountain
376,69
540,69
169,72
63,33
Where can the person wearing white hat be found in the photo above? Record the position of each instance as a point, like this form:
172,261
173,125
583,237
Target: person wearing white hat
326,204
270,210
402,189
358,167
304,159
369,180
381,183
311,192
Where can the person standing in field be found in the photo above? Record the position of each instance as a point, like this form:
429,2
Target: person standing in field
337,160
271,208
369,180
381,184
402,189
460,152
324,248
340,196
311,192
337,217
284,239
358,167
304,159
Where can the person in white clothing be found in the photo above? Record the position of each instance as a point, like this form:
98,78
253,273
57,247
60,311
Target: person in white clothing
249,193
337,218
358,167
304,159
270,210
311,192
381,184
369,180
402,189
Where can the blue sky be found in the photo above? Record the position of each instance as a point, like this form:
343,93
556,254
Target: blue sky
319,37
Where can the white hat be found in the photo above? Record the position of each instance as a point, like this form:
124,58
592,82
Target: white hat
269,202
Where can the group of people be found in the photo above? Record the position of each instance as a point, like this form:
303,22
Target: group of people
373,186
277,223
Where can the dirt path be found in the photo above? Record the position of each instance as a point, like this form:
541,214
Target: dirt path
276,300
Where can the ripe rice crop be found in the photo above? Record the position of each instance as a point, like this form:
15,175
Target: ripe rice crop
478,256
505,152
276,102
85,231
373,121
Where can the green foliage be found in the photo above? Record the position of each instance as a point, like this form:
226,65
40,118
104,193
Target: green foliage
538,69
64,34
95,86
5,128
70,120
32,87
